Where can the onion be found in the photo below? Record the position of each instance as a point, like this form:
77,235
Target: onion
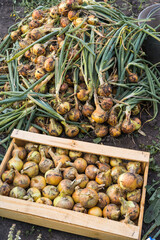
116,172
70,130
132,77
31,147
127,125
15,35
8,176
40,121
114,193
24,70
95,211
17,192
38,49
101,130
127,220
39,73
49,64
54,128
20,150
25,28
78,22
80,164
31,169
104,159
34,156
115,162
78,208
74,114
44,200
64,87
136,122
134,196
104,178
63,9
88,198
91,171
95,186
63,108
54,176
139,180
111,211
32,194
67,186
134,167
64,21
61,151
92,20
34,24
74,154
54,12
45,163
103,200
37,14
129,207
62,201
73,15
127,181
50,192
4,188
41,60
33,129
28,54
70,173
59,158
103,167
83,180
99,115
87,109
136,109
21,180
15,162
76,195
106,103
38,182
90,158
82,95
113,116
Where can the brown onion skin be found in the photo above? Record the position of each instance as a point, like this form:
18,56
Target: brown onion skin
139,180
8,176
116,172
94,185
134,167
134,196
31,169
101,130
84,180
104,90
127,181
21,180
106,104
78,208
104,159
114,193
103,200
91,171
76,195
74,154
104,178
65,202
37,14
4,189
80,164
21,152
90,158
88,198
115,131
50,192
87,110
38,182
44,200
95,211
70,173
103,167
111,211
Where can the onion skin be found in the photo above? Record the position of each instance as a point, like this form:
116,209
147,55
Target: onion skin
54,128
44,200
134,196
103,167
34,156
91,171
74,154
82,95
90,158
80,164
15,163
111,211
115,131
127,181
49,64
38,182
87,109
104,90
139,180
21,180
101,130
134,167
37,14
54,176
131,208
106,104
136,110
65,202
50,192
95,186
17,192
104,159
8,176
31,147
88,198
104,178
78,208
115,162
116,172
4,189
103,200
20,150
31,169
32,194
114,193
84,180
95,211
63,108
76,195
70,173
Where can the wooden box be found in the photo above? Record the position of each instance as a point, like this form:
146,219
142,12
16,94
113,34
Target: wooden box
68,220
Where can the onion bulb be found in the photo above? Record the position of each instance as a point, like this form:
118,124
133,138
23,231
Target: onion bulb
87,109
129,207
70,173
63,108
111,211
38,182
134,196
116,172
114,193
74,154
83,180
17,192
59,158
104,159
76,195
70,130
31,169
95,211
44,200
134,167
74,114
8,176
4,188
103,200
67,186
50,192
54,128
34,156
54,176
37,14
132,77
32,194
21,180
115,162
95,186
63,201
78,208
127,181
88,198
101,130
91,171
104,178
80,164
90,158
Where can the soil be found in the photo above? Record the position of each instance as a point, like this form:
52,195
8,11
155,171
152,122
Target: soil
133,141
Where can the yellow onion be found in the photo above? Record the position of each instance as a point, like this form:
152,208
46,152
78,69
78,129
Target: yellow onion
41,60
129,207
132,77
103,167
103,200
104,159
17,192
44,200
74,154
45,163
134,167
90,158
80,164
53,12
87,109
15,35
70,130
114,193
78,21
28,54
40,121
116,172
64,87
50,192
59,158
20,150
134,196
54,176
78,208
73,15
63,9
74,114
61,151
91,171
88,198
67,186
39,73
31,147
63,201
38,182
33,129
95,211
34,24
31,169
37,33
82,95
37,14
83,180
92,20
4,188
127,220
115,131
104,178
15,162
76,195
136,122
38,50
8,176
101,130
32,194
111,211
127,181
136,109
106,103
95,186
54,128
63,108
64,21
34,156
104,90
113,117
116,162
49,64
127,125
24,70
99,115
139,180
70,173
25,28
21,180
25,42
